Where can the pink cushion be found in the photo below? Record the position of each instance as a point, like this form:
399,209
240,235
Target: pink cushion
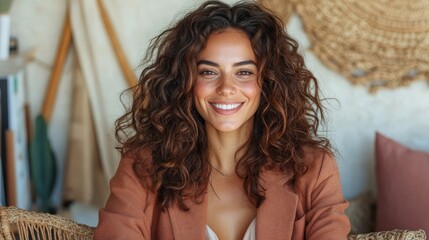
402,186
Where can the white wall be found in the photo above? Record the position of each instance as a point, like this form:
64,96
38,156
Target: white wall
402,114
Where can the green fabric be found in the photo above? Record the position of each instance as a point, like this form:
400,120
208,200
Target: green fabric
42,164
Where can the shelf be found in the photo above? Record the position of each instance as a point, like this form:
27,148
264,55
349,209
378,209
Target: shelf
15,62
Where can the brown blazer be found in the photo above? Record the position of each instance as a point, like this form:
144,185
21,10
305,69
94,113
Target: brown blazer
312,209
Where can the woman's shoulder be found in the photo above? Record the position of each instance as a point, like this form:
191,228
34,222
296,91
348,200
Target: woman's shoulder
320,163
136,165
130,158
315,157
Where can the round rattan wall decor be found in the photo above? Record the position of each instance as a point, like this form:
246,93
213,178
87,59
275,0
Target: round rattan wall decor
383,43
283,8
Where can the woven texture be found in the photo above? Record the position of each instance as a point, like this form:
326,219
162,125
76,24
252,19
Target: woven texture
390,235
283,8
25,225
382,43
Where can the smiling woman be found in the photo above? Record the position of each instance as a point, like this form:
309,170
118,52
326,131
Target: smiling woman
221,139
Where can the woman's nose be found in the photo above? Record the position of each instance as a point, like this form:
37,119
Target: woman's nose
226,86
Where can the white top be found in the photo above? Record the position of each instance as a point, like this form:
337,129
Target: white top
249,235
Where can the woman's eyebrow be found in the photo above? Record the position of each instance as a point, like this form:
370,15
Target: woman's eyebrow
206,62
244,63
237,64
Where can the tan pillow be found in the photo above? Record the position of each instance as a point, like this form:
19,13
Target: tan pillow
361,213
402,186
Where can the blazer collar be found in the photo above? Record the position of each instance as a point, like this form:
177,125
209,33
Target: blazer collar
275,217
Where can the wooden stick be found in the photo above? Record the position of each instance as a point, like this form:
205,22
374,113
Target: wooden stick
11,195
60,58
125,67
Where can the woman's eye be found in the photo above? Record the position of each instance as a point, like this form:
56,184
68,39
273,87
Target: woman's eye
245,72
207,72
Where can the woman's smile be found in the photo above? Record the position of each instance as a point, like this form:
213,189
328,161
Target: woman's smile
226,108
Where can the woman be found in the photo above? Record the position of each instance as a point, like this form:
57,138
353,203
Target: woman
221,139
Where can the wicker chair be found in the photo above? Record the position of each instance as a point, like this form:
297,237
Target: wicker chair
390,235
27,225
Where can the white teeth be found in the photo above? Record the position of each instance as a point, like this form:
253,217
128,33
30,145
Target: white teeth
226,106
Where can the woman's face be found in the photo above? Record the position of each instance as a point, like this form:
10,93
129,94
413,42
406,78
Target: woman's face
227,89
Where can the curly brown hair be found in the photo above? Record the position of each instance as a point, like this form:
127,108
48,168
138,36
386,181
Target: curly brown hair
164,121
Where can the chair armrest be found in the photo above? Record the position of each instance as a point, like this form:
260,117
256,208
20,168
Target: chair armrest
35,225
390,235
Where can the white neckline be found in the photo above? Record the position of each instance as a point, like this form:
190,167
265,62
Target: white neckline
249,235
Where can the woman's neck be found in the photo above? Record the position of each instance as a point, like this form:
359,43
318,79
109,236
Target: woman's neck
223,149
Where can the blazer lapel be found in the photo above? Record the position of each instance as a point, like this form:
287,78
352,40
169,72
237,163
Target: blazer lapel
190,224
276,216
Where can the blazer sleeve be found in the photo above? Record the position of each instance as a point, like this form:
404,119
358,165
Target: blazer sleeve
326,218
126,214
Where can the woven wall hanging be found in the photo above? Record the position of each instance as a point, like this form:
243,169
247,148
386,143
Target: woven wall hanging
383,43
283,8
